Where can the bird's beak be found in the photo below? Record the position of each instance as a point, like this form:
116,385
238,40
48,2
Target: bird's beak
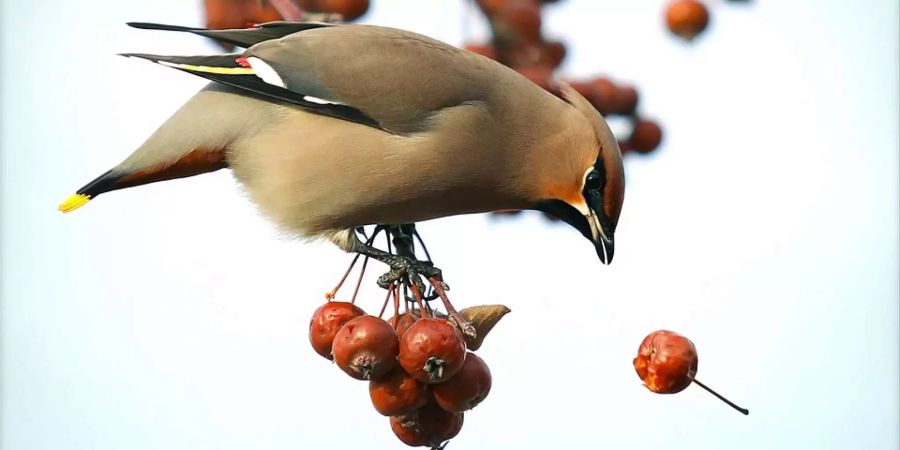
603,239
588,218
601,228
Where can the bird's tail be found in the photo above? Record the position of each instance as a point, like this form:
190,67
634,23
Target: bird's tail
195,140
195,162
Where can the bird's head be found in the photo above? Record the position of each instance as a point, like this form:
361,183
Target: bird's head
592,198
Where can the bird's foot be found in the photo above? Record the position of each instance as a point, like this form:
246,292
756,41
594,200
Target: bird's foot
406,269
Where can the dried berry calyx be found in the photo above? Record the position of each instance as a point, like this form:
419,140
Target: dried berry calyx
483,318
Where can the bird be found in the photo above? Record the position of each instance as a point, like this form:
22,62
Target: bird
331,127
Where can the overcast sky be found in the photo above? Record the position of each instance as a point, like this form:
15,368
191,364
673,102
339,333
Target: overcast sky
172,316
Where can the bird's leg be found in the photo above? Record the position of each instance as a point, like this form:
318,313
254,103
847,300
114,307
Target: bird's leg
404,265
331,294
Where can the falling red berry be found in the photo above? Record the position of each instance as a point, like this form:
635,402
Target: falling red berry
667,363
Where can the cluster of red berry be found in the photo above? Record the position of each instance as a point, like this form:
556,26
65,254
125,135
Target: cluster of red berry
517,42
419,370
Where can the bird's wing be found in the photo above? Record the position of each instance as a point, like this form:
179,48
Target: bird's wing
383,77
240,37
232,70
400,79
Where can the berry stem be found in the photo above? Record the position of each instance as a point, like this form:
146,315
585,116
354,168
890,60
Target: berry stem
330,295
359,281
390,291
396,291
743,411
464,325
418,295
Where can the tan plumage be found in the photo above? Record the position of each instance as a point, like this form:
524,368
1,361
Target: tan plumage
426,130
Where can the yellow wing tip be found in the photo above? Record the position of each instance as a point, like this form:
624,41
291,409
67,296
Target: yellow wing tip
73,202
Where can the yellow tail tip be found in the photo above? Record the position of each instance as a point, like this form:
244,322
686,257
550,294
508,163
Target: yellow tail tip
73,202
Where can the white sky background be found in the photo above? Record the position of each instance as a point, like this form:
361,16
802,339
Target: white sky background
765,229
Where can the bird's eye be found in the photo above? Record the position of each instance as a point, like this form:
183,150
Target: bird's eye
593,181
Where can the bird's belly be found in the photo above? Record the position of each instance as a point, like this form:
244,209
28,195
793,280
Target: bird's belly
312,174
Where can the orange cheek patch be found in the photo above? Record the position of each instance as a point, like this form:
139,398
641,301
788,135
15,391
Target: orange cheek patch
568,193
194,163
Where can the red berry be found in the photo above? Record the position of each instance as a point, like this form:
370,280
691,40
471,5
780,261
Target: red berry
397,393
553,53
626,100
429,426
687,18
366,348
491,6
521,18
482,49
603,95
585,88
539,75
432,350
403,322
666,362
467,388
348,9
326,322
645,136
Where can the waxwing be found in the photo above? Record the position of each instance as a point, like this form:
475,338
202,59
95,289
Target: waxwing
332,127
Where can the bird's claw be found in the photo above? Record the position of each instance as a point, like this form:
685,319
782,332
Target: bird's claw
409,270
